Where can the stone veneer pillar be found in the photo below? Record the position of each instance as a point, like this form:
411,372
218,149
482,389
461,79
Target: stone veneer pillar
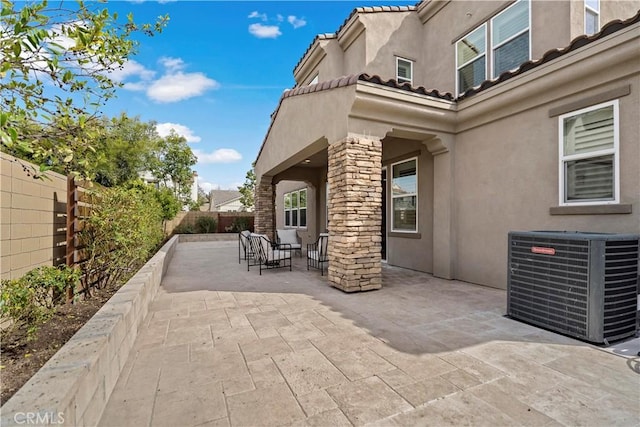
265,196
355,214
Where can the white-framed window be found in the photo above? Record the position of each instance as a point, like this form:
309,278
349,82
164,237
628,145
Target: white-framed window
471,59
404,196
591,16
589,158
501,44
404,70
295,209
510,44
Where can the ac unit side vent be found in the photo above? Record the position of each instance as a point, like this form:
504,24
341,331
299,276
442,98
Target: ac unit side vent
581,284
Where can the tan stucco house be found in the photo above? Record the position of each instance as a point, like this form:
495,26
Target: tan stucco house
420,136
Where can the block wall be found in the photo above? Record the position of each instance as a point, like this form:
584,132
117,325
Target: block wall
32,218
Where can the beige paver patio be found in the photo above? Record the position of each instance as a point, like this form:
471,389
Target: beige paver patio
223,346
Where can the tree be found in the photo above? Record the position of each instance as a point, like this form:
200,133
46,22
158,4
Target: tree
170,163
248,188
122,149
203,196
56,62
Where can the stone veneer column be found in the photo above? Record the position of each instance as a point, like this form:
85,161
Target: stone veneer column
265,196
355,214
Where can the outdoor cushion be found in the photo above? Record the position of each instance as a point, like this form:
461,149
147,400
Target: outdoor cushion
288,236
313,255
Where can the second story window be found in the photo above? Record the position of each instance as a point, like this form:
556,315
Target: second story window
501,44
314,80
591,16
471,59
404,70
510,38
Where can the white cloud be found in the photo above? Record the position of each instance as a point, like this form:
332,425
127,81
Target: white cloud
256,14
280,18
222,155
175,85
180,86
265,31
207,186
296,22
131,68
164,129
136,87
172,64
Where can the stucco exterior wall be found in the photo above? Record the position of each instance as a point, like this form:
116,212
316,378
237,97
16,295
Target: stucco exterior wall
33,219
507,178
309,233
389,35
411,250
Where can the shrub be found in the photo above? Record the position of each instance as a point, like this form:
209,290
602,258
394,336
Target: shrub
122,232
239,224
31,299
206,224
184,229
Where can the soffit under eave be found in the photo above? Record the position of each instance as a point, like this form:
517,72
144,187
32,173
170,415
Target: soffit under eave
429,8
378,110
311,61
350,32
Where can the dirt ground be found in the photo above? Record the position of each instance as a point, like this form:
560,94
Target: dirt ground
20,358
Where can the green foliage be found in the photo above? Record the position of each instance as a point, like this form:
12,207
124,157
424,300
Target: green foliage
184,229
203,197
170,162
206,224
31,299
55,76
239,224
248,188
169,204
121,149
194,205
122,232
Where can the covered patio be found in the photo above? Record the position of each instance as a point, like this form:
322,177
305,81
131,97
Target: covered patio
343,152
225,346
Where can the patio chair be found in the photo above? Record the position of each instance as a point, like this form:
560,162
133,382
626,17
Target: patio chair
244,246
317,255
268,254
290,237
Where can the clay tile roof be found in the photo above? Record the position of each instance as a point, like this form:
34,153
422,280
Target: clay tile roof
435,93
580,41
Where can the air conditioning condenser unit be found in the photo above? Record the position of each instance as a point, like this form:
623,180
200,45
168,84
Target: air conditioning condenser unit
584,285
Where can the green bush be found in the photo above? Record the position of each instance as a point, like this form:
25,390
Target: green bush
184,229
31,299
239,224
121,234
206,224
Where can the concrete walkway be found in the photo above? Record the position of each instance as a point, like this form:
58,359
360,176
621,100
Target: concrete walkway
222,346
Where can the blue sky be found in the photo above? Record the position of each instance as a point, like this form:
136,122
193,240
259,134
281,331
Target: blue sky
217,72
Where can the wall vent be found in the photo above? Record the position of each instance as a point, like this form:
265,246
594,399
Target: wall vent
584,285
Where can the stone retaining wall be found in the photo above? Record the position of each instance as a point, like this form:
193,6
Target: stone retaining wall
74,386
